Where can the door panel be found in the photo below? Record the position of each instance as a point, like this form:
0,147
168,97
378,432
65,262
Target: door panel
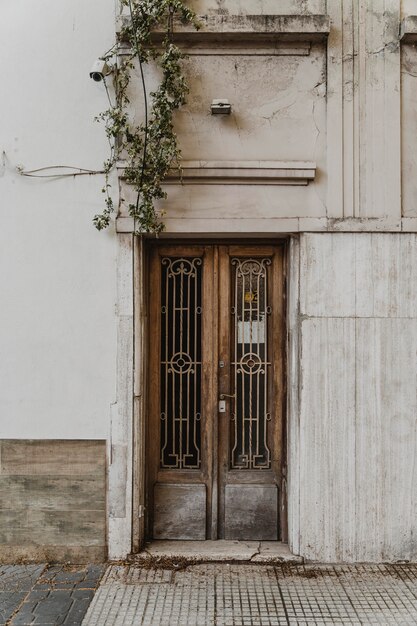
180,512
251,512
181,397
216,392
251,352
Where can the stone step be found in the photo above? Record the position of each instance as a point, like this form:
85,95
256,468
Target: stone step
273,552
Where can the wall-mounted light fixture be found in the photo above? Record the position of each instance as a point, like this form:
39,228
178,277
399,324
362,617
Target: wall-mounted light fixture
221,107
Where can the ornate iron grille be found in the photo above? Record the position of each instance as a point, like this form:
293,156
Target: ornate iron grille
250,312
181,309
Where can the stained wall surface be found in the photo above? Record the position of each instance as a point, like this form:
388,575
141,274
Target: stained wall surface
262,7
279,114
344,105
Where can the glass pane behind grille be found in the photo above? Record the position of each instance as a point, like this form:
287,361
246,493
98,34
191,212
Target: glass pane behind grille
181,358
250,365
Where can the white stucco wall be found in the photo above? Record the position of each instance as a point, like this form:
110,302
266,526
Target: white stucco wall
58,274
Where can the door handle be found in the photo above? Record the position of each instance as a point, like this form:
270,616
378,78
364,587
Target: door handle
223,396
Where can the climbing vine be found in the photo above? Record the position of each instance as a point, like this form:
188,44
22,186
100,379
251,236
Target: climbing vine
149,149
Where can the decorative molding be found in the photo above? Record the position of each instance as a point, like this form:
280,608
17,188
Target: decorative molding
408,29
241,172
274,48
244,172
231,31
364,110
273,226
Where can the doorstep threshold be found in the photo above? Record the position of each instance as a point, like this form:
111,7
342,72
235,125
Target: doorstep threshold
273,552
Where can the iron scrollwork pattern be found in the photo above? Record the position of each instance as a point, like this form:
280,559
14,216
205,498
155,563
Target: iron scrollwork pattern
250,365
181,361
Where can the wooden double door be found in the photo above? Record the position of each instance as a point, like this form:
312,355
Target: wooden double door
216,392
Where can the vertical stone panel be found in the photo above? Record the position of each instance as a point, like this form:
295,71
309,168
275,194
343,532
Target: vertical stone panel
293,398
327,439
358,402
328,271
121,431
386,275
386,439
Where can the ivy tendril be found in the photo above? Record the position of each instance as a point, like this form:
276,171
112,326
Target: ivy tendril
150,149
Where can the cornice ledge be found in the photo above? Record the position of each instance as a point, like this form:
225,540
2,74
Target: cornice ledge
273,226
245,172
241,173
256,29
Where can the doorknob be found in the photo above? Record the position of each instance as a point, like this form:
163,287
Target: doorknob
223,396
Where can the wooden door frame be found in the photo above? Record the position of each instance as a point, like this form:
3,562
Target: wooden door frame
140,261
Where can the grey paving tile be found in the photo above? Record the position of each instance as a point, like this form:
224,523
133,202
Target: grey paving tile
9,603
61,595
51,609
19,577
37,595
65,578
78,610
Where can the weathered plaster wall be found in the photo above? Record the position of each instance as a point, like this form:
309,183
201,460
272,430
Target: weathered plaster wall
262,7
279,106
279,114
340,107
58,274
353,424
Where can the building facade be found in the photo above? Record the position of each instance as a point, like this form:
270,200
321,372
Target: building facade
252,373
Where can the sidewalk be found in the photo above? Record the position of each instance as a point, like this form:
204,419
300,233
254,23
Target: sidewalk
46,594
220,594
240,595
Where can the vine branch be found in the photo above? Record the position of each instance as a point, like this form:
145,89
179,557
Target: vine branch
150,148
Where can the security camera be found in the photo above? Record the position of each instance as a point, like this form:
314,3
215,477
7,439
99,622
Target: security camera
100,70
